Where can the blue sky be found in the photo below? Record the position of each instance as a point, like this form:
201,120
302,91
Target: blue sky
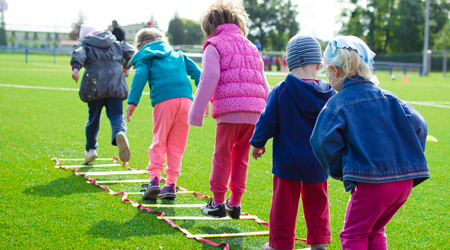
317,17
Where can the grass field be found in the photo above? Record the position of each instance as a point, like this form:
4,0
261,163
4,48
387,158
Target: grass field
42,207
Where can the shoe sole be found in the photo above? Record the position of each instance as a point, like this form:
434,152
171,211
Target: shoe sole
89,161
124,147
167,196
151,194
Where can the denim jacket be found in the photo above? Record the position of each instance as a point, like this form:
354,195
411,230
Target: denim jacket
367,134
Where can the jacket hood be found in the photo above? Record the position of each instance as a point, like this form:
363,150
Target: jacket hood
101,40
309,96
154,49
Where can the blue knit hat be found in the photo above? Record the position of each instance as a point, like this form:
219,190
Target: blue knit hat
303,50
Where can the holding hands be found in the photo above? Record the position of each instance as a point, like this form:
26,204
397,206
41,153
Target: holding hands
130,110
258,152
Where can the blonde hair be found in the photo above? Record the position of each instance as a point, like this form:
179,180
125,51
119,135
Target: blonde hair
351,63
148,35
221,12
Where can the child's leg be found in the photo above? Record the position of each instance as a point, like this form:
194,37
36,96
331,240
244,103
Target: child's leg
283,213
114,111
177,139
163,114
369,209
317,213
239,162
221,168
93,124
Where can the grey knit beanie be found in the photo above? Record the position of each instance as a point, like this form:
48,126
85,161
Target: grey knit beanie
303,50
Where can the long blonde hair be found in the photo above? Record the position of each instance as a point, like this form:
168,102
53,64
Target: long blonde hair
221,12
148,35
351,63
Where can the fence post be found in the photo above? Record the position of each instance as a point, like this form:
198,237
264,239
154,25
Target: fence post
444,70
26,55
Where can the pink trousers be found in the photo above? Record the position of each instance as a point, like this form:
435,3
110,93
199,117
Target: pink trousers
170,133
370,208
230,161
283,213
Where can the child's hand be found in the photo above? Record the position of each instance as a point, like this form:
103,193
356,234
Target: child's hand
75,75
125,71
258,152
130,110
206,111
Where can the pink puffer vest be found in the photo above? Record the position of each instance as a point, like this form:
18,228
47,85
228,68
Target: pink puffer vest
240,86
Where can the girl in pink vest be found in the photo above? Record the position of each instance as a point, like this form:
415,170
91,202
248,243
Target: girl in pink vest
232,79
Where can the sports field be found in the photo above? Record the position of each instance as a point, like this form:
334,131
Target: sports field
42,207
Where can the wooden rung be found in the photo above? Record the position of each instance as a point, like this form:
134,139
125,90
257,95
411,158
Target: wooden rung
138,193
227,235
120,181
113,172
168,205
205,218
90,166
98,159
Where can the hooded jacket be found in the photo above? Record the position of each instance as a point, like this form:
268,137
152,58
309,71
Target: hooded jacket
289,117
166,72
102,58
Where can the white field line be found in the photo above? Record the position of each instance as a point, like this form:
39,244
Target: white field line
431,104
50,88
36,70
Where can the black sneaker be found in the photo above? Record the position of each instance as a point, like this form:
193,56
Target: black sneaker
152,191
169,191
213,211
232,212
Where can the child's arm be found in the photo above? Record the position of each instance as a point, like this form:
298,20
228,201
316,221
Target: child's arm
417,121
267,125
128,53
209,80
265,83
77,61
327,143
192,69
137,86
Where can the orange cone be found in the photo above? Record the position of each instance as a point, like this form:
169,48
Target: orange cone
405,79
70,66
284,71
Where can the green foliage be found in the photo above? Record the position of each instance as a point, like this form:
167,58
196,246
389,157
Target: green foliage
176,31
3,41
193,32
12,40
272,22
442,39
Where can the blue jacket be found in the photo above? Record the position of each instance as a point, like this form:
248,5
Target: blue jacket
289,117
166,72
366,134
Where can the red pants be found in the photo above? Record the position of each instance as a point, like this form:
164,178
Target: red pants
230,161
370,208
283,213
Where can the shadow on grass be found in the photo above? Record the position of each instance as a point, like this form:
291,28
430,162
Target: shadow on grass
63,186
141,225
234,242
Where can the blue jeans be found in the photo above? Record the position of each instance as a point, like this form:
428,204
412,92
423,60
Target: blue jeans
114,111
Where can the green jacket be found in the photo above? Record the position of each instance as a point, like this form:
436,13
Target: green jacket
166,72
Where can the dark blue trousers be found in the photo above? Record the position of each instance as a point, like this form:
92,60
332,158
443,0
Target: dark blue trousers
114,111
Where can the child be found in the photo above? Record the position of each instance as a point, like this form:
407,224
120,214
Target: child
103,85
233,80
369,139
171,98
289,117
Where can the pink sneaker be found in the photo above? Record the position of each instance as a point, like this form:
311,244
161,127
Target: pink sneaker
90,156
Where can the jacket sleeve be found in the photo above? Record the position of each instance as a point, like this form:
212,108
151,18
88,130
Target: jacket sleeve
78,56
268,123
192,69
128,53
417,121
328,143
140,78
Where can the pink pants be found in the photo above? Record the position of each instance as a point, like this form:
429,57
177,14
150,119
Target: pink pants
283,213
170,133
230,161
370,208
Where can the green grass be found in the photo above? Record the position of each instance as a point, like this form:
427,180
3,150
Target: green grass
47,208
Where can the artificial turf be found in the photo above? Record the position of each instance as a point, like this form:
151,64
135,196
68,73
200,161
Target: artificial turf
47,208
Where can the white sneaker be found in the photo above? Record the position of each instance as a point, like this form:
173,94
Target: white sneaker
90,156
124,147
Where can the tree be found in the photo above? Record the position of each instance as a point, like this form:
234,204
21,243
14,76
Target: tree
176,31
409,33
3,37
193,32
272,22
75,33
442,39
